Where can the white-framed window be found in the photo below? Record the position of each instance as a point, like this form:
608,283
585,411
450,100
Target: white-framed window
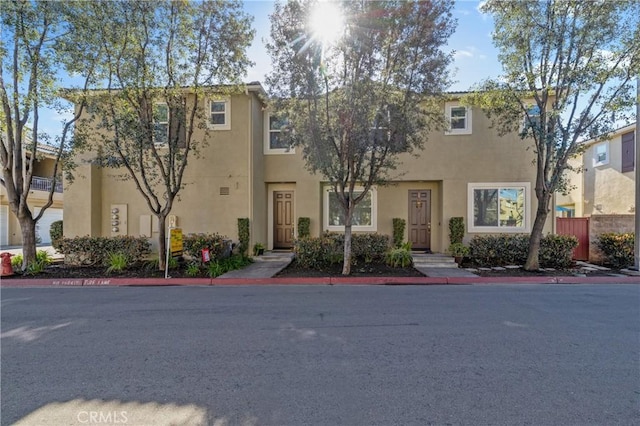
499,207
364,216
601,154
219,114
160,124
459,119
274,143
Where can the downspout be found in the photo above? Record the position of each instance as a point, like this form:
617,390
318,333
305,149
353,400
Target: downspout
250,171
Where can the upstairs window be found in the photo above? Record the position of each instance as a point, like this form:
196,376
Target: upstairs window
219,114
160,124
601,154
274,142
531,119
459,118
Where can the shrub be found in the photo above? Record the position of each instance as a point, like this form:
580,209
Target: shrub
55,231
43,259
328,249
617,248
506,249
95,250
400,257
399,226
456,230
218,245
304,227
458,250
556,251
243,236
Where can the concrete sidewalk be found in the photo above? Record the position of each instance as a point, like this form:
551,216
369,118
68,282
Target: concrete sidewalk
265,266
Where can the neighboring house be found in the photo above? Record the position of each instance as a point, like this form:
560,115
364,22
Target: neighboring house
10,233
246,171
602,196
607,184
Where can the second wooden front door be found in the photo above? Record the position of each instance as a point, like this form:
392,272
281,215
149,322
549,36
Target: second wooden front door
283,226
420,219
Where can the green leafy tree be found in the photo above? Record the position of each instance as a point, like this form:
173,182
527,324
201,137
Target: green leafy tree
38,41
357,98
161,59
568,76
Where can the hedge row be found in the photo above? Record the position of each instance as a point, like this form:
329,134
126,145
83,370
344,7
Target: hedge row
95,250
617,248
329,248
499,250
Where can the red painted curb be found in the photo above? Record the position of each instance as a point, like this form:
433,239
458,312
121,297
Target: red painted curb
124,282
272,281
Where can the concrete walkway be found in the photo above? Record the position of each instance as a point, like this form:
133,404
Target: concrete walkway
265,266
438,265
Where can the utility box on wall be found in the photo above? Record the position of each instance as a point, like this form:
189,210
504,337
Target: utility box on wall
118,219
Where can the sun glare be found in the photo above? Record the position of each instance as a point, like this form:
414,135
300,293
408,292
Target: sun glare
327,22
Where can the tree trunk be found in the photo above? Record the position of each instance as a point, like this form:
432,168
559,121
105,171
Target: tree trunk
162,242
346,265
28,229
533,261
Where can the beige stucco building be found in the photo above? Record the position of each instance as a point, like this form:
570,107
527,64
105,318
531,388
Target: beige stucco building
244,171
10,233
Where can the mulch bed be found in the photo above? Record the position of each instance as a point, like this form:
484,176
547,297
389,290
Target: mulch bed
373,269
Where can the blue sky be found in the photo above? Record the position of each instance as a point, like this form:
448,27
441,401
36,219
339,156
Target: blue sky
475,58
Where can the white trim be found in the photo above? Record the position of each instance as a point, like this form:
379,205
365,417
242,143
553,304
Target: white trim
605,161
526,226
468,123
267,150
227,113
4,225
374,212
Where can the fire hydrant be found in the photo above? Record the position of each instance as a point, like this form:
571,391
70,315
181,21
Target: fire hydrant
7,269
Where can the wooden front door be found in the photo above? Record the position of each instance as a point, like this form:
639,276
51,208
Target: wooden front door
283,219
420,219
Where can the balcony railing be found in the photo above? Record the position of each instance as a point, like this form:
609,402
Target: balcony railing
44,184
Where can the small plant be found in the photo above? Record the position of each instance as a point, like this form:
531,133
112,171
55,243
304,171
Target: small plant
400,257
16,261
193,269
304,227
399,226
118,262
42,256
36,267
258,249
154,263
458,250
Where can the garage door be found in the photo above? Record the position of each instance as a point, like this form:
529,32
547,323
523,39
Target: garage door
4,225
43,226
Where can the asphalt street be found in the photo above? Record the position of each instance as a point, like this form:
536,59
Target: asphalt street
295,355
